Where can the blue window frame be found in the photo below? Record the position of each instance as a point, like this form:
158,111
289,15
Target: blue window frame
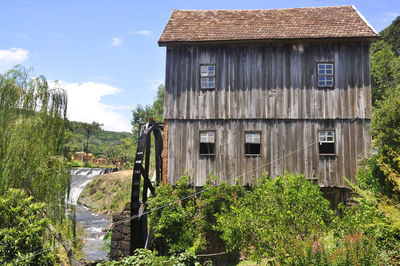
207,76
325,75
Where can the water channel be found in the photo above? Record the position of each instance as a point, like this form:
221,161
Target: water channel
93,224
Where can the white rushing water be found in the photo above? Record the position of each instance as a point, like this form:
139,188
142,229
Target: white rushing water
80,178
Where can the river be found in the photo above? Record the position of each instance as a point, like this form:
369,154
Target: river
93,224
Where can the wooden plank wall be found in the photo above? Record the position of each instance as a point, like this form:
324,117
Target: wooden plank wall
286,145
271,88
268,81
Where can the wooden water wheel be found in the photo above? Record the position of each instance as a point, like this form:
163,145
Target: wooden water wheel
140,234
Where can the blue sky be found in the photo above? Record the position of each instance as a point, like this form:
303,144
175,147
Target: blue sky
105,53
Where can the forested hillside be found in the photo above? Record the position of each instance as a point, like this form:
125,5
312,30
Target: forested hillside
99,141
391,35
385,62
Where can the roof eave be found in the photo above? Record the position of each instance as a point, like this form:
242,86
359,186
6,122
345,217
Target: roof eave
272,41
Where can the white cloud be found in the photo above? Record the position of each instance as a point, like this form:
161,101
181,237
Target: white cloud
143,32
85,105
117,41
12,57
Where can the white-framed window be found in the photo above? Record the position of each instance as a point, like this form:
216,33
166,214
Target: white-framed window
207,76
325,74
326,139
252,145
207,142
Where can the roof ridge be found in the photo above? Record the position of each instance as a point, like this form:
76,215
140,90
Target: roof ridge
262,9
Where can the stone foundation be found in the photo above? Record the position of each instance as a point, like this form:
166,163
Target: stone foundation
120,237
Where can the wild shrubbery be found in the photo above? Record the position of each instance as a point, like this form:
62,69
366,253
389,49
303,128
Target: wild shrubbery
268,220
281,221
22,231
261,222
172,219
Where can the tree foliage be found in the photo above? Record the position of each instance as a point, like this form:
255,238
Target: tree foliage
22,231
174,214
214,201
99,142
386,132
377,213
263,221
386,120
141,114
32,139
385,70
391,35
89,130
283,221
269,219
385,61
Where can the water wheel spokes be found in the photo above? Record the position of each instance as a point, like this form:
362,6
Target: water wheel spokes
140,236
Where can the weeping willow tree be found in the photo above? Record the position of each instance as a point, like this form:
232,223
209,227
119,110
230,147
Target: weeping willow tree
33,132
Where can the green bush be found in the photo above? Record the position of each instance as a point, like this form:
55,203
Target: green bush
370,177
284,221
213,201
172,217
266,221
22,231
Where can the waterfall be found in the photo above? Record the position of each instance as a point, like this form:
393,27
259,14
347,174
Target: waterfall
80,178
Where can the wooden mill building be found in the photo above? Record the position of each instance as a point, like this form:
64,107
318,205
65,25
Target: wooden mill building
267,91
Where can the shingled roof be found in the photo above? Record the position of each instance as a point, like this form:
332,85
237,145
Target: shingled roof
274,24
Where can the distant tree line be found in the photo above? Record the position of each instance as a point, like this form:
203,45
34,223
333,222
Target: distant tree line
142,113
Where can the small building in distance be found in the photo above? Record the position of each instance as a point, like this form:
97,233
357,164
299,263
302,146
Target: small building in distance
267,91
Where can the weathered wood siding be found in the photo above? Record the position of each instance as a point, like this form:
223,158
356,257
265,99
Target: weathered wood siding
286,145
273,89
268,81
